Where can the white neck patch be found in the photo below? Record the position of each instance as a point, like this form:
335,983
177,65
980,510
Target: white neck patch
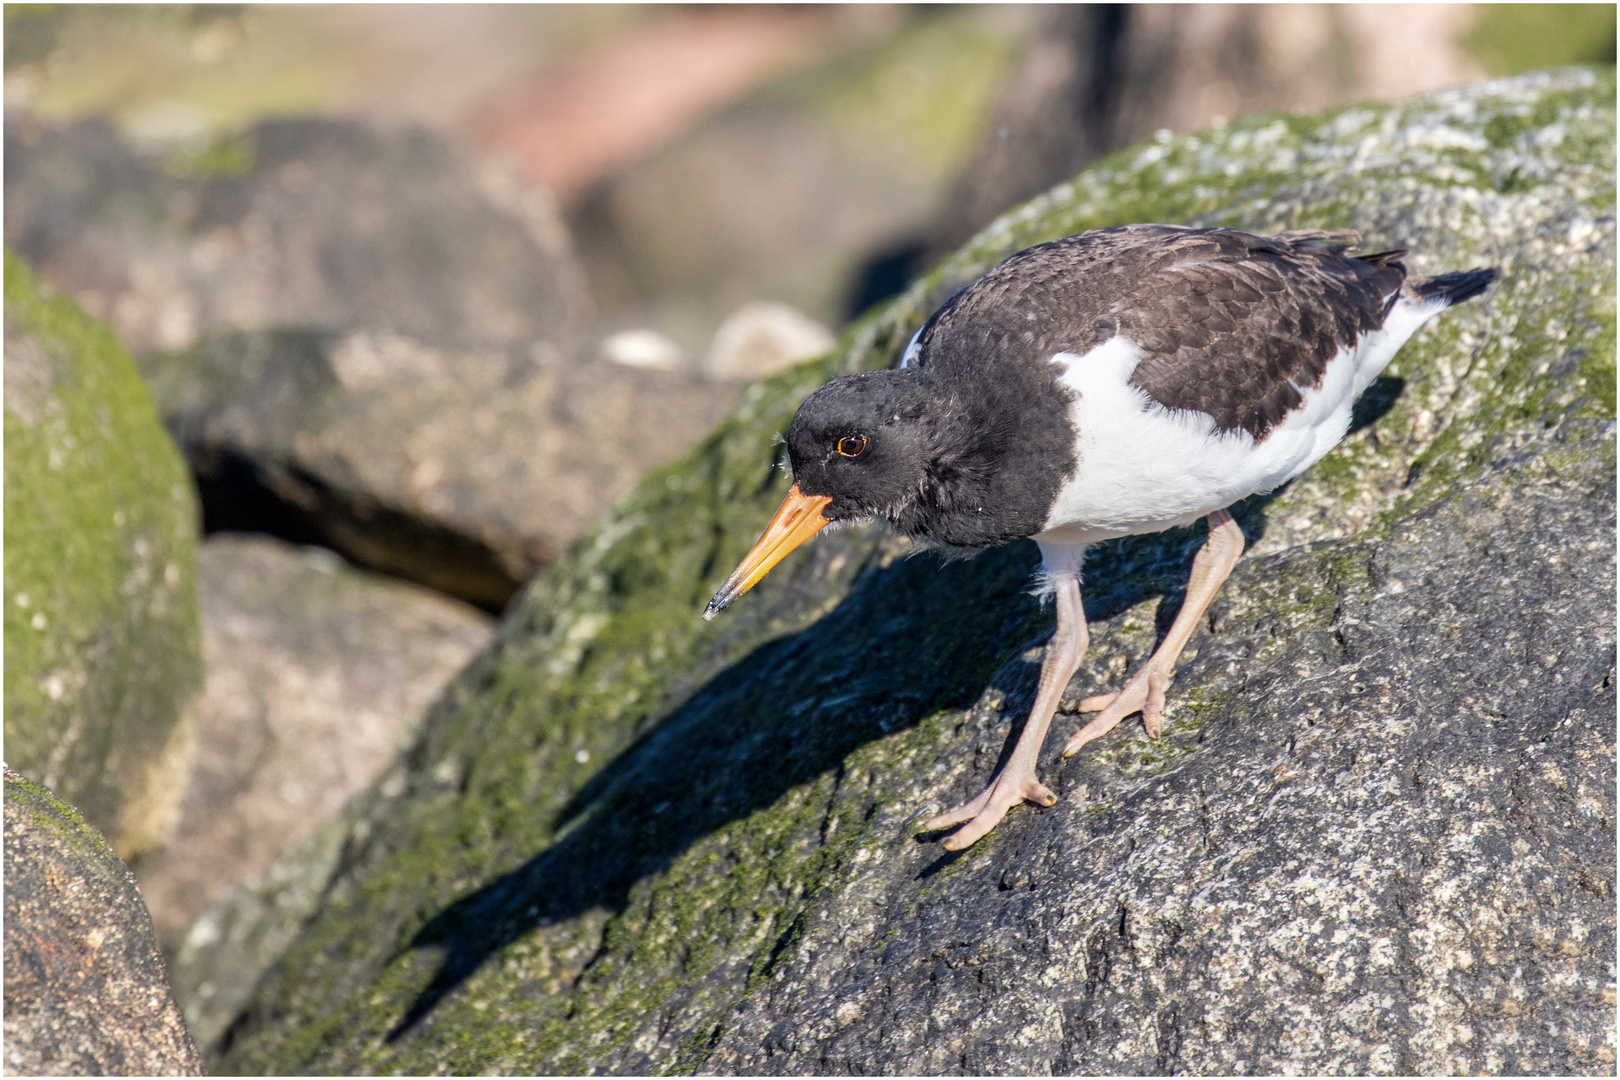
913,350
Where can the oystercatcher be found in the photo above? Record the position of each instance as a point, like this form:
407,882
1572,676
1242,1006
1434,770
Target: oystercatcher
1121,381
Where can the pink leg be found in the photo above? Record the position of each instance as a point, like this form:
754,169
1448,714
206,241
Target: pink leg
1016,782
1145,692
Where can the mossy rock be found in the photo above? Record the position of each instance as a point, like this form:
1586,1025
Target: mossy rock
1377,835
86,991
102,651
367,338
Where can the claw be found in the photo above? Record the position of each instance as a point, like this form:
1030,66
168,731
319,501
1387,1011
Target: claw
1153,709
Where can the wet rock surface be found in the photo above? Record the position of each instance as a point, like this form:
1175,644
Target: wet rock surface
85,988
100,603
1377,835
360,338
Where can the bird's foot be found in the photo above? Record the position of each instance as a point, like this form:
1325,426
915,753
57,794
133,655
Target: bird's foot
985,811
1144,694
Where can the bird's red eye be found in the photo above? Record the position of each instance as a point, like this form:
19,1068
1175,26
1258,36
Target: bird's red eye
852,445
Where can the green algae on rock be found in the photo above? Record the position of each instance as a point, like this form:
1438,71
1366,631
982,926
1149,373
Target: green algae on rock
85,992
100,600
1377,835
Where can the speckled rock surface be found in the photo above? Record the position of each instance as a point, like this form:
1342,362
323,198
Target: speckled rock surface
317,676
360,338
100,597
1377,835
85,989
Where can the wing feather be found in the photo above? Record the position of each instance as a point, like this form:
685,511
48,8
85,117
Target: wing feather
1228,323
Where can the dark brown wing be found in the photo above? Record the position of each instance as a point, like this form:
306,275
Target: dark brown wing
1229,324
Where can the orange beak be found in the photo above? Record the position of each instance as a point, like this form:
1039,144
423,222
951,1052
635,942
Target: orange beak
797,520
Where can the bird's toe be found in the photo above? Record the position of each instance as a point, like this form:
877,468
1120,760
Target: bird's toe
966,812
1153,707
1122,706
975,830
985,812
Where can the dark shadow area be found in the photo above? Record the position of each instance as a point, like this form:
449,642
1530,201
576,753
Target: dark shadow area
234,497
791,710
943,862
1375,401
238,494
883,275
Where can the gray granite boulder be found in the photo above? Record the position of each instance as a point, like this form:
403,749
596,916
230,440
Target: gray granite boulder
323,224
316,677
86,993
1377,835
100,599
367,339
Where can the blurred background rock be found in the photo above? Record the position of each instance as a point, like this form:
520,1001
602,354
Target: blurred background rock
315,672
429,286
706,157
101,626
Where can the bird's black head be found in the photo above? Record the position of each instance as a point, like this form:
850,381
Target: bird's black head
859,449
862,441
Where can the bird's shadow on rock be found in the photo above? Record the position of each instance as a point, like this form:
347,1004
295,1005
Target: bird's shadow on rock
913,638
790,710
1375,401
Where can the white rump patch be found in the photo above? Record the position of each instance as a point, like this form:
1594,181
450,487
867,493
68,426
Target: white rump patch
1374,351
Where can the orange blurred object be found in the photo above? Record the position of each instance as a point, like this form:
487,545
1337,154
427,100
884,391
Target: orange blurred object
606,110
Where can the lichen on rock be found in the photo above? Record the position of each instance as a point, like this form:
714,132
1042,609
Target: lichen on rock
100,599
1377,835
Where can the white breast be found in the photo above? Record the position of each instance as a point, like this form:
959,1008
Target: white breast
1143,467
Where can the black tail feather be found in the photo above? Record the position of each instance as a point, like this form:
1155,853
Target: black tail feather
1457,287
